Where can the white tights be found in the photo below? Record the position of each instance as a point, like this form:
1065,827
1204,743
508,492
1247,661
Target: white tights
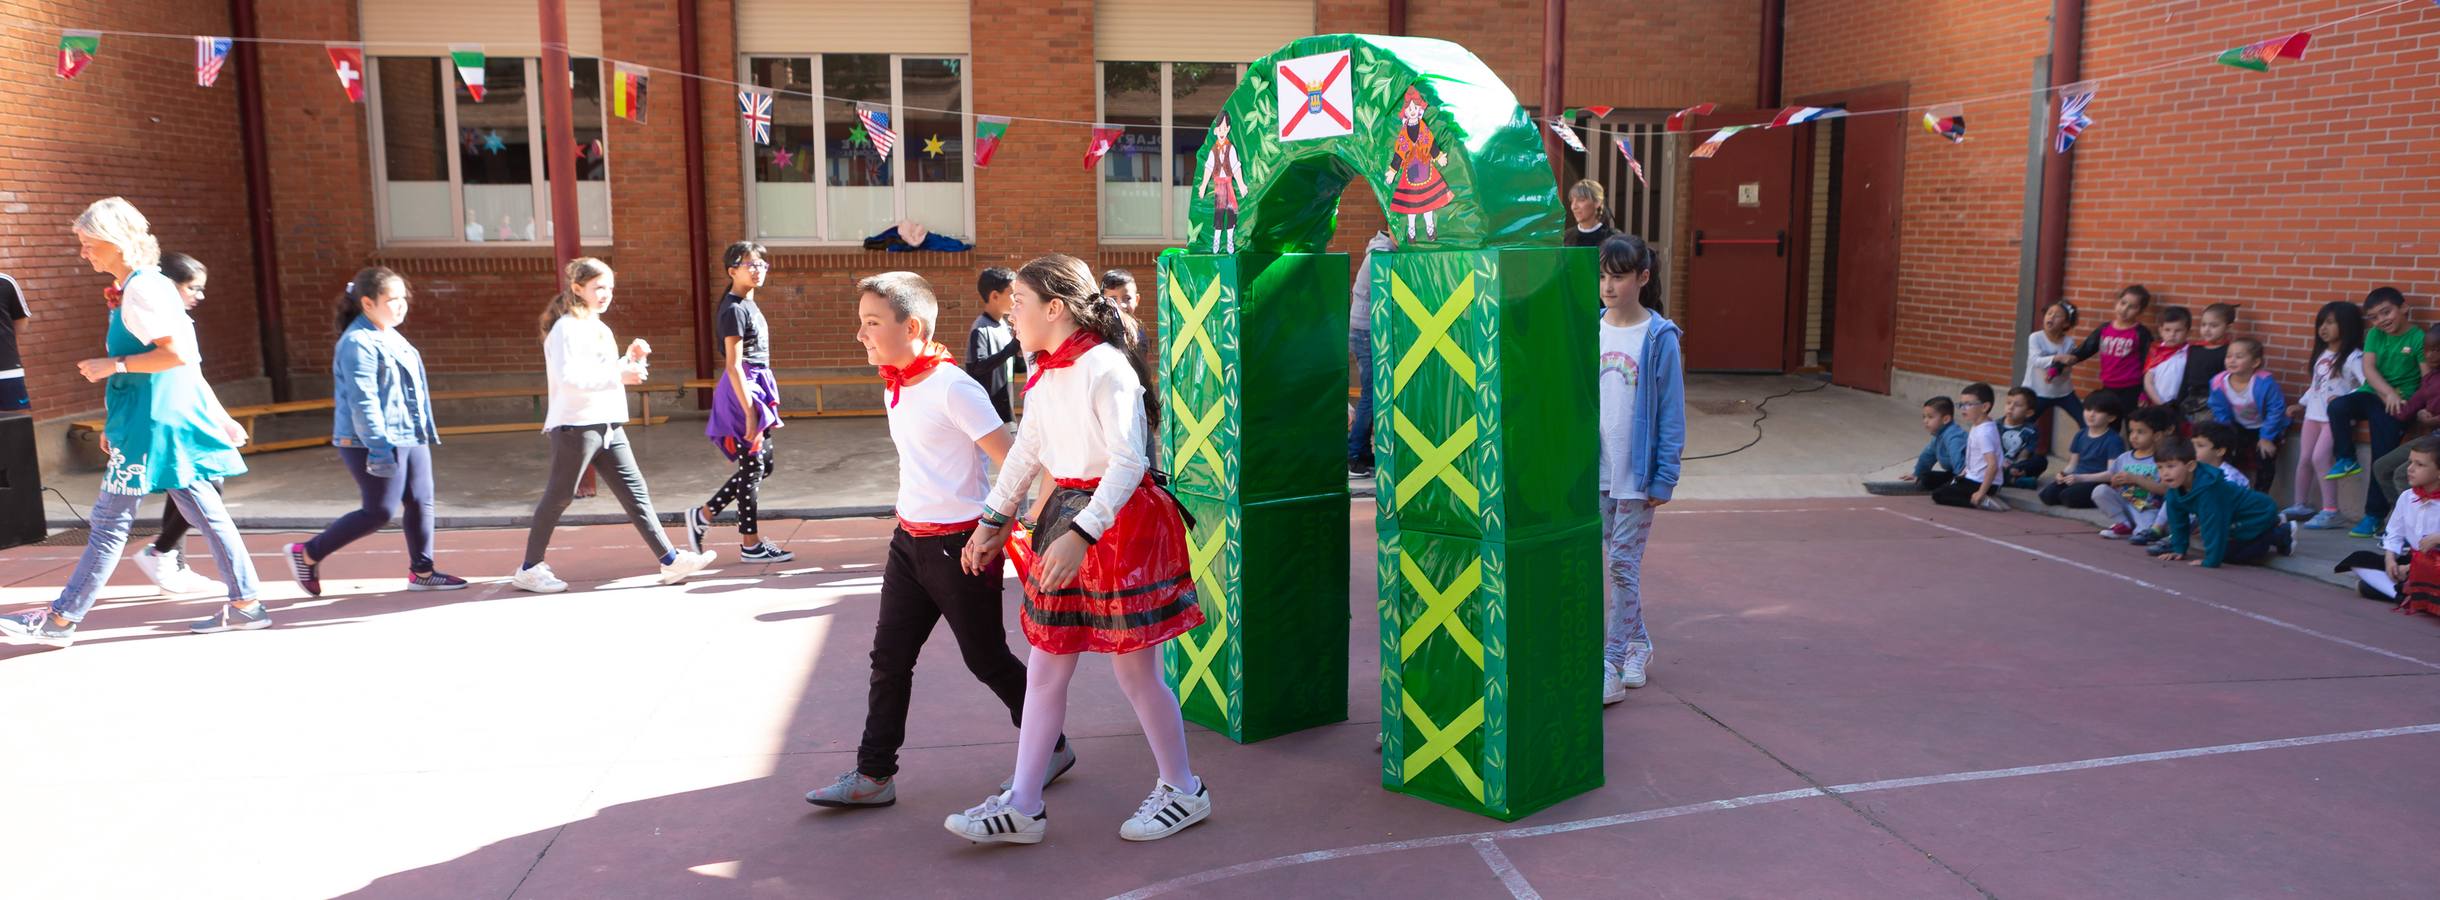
1046,694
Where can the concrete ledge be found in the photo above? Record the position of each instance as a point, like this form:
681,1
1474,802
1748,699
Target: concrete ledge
2310,559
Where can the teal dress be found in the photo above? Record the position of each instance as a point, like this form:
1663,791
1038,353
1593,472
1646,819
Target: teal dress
160,426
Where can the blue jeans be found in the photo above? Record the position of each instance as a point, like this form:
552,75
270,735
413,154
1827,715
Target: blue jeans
1359,435
2386,430
1626,525
114,514
407,491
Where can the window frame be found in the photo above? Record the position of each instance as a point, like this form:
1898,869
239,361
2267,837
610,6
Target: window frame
821,147
448,77
1174,232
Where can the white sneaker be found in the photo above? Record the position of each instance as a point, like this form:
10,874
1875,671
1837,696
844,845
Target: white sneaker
996,821
182,582
1633,672
1993,504
1166,812
538,579
1611,690
687,563
149,562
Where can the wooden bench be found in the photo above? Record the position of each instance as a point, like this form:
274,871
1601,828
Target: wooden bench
820,409
246,416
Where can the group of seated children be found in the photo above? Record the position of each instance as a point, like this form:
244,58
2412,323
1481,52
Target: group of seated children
2407,570
2209,402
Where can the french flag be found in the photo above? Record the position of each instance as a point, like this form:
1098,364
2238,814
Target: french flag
1798,115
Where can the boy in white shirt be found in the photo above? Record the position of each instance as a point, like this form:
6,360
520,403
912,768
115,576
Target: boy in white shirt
2407,569
944,426
1977,484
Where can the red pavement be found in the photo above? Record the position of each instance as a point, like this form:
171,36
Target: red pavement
630,740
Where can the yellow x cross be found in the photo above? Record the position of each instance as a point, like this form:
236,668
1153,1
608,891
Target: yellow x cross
1190,324
1440,745
1436,462
1431,330
1199,560
1440,609
1198,438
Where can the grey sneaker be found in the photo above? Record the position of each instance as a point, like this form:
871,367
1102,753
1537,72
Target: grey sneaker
35,626
434,580
854,788
233,618
765,552
995,821
1062,759
1166,812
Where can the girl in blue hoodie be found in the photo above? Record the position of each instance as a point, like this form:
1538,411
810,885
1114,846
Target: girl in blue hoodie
1643,432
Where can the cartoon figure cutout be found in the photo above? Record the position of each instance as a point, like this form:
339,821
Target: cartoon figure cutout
1223,179
1418,190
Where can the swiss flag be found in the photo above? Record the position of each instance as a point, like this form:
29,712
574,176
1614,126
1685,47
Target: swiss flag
1104,138
348,61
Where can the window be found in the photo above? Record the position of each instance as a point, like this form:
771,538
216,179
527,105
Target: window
1148,180
465,172
821,179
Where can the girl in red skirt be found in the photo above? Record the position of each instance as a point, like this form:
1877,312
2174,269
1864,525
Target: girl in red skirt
1104,568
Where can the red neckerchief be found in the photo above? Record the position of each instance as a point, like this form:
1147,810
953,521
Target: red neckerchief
2427,495
897,377
112,294
1069,351
2160,354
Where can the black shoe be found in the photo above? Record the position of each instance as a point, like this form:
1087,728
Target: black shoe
1359,470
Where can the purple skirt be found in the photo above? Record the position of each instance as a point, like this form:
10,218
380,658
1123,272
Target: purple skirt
727,428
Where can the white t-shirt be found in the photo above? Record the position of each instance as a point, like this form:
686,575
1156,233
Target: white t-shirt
941,473
2163,381
2039,349
2330,382
151,310
1622,369
1082,421
1982,443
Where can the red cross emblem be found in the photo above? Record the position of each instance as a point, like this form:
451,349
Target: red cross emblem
1313,97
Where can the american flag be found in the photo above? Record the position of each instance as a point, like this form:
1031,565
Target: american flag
2072,120
1633,165
755,106
877,127
210,53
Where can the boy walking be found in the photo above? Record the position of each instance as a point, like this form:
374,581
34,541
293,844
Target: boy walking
992,355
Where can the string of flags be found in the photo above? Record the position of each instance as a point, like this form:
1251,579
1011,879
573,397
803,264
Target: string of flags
77,49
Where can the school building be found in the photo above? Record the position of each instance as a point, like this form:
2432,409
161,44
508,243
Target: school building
1892,258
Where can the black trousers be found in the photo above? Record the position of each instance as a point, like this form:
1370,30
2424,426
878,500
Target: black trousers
2072,496
1959,491
921,585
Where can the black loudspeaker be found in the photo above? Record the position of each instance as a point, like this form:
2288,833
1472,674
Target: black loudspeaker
20,482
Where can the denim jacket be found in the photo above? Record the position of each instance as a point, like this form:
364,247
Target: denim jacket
1659,438
380,397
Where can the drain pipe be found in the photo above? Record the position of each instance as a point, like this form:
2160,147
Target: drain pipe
1397,17
2066,68
698,232
258,199
1774,46
1554,80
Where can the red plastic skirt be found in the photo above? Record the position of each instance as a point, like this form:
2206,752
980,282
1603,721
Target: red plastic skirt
1132,592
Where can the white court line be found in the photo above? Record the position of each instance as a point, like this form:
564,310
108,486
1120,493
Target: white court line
1518,887
1666,511
1484,837
2173,592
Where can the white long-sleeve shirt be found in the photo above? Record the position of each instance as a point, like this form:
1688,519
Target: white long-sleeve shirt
587,374
2410,522
1083,421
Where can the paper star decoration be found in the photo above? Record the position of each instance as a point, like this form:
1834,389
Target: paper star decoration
492,143
857,136
932,146
781,157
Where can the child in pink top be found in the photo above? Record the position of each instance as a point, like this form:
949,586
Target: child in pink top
2122,343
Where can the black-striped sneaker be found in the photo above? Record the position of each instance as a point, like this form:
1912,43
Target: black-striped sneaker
996,821
1167,811
765,552
696,525
308,574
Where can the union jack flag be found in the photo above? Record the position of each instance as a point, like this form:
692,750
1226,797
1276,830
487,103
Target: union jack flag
210,53
2072,120
877,127
755,106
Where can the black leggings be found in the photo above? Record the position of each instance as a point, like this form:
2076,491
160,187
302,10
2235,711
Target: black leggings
743,488
2073,496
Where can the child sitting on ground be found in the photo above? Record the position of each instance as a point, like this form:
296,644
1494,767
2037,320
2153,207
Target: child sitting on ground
2020,442
2217,445
2089,457
2407,569
2233,524
2135,503
1946,451
1977,484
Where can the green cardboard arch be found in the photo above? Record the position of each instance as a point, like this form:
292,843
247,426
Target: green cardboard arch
1499,187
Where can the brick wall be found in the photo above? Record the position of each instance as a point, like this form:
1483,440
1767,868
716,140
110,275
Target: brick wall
133,124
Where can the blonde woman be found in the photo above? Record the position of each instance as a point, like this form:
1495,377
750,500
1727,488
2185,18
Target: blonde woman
588,379
161,433
1588,204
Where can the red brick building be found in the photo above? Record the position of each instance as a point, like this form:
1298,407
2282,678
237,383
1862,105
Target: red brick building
1862,245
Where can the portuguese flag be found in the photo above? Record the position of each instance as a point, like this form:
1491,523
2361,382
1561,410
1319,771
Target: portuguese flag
2258,56
469,61
76,48
987,133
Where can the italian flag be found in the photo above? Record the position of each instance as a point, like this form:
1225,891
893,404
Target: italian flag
987,133
2258,56
469,61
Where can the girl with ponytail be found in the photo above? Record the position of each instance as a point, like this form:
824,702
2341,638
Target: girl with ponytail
1643,434
1104,568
